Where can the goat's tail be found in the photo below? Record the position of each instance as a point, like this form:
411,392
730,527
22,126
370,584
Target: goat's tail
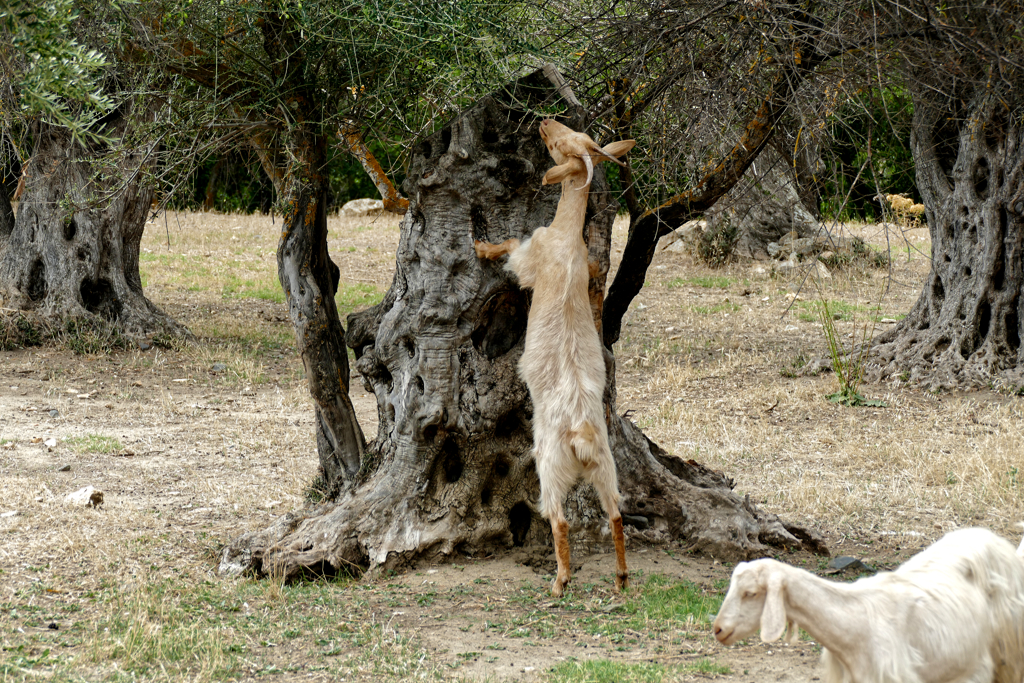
586,444
1020,549
590,444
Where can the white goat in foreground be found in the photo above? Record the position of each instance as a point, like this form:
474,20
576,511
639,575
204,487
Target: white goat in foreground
954,613
563,362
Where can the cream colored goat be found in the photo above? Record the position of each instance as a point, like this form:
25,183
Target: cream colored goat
954,613
904,206
563,362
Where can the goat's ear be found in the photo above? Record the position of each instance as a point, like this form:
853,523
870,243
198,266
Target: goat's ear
617,149
557,174
773,617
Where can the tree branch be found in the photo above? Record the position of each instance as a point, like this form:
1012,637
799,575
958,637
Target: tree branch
355,145
652,224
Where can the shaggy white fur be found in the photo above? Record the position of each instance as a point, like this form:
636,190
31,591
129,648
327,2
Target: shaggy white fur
563,361
954,613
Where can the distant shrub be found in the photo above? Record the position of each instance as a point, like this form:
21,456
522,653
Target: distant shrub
715,246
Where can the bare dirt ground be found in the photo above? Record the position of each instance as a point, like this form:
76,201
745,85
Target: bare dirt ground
196,444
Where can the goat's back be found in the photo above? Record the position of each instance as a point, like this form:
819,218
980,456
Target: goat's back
953,613
971,585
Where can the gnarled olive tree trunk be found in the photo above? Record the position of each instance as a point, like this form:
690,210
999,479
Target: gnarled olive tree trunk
763,206
966,327
72,251
450,470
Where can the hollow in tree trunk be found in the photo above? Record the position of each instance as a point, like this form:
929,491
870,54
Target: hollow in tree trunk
965,329
450,471
72,251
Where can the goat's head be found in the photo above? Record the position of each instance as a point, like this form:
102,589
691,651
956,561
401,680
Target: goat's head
755,599
575,153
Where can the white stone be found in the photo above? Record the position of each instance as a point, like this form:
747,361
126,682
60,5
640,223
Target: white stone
362,207
786,266
86,497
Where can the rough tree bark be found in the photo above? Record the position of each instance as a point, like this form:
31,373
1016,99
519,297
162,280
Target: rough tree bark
450,470
72,251
965,329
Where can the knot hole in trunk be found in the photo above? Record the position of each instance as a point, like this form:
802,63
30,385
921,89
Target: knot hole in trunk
502,323
99,298
451,461
519,520
37,281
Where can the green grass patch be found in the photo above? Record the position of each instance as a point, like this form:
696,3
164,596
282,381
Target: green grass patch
259,287
356,297
810,311
707,666
705,282
656,605
94,443
166,629
605,671
664,600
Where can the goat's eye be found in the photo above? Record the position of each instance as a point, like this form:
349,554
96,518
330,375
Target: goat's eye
749,594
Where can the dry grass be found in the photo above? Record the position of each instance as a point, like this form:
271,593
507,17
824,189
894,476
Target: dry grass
195,445
705,357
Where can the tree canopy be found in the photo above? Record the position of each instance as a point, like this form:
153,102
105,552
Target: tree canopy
244,73
47,70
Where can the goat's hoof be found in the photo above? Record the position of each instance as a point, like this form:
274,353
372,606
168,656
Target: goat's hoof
621,582
558,587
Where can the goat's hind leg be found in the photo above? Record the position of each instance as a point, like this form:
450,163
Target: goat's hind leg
560,532
608,492
557,469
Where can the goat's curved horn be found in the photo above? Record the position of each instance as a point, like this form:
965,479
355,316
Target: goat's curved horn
590,169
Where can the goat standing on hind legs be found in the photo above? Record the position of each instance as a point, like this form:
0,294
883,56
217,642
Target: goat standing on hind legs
563,362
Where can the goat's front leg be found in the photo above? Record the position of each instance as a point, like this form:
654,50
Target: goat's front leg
493,251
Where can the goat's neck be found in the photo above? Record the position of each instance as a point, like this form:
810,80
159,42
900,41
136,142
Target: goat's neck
822,608
572,207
